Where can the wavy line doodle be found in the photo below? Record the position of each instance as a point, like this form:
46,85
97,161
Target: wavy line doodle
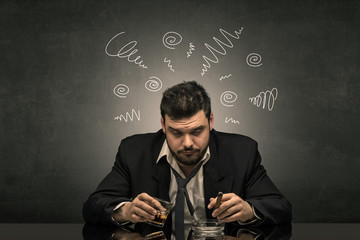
254,60
212,50
263,97
121,90
154,84
191,49
227,98
171,39
227,120
169,64
223,77
128,116
126,52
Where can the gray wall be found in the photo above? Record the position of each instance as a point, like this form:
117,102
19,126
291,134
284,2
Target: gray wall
60,122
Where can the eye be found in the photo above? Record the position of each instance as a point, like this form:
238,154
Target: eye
196,132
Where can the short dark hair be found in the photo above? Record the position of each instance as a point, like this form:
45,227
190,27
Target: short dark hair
185,100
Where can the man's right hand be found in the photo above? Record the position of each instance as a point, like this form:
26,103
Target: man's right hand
139,210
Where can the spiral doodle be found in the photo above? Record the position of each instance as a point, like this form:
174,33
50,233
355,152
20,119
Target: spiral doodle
227,98
254,60
171,39
121,90
154,84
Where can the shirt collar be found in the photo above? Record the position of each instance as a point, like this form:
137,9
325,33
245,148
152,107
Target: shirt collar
165,151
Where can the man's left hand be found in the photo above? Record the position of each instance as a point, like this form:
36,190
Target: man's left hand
232,208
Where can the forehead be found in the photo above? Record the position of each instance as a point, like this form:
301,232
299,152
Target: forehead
197,120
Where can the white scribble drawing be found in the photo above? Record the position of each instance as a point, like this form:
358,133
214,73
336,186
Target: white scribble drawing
213,51
128,116
191,49
127,51
227,120
227,98
121,90
254,60
154,84
169,64
171,39
268,97
226,76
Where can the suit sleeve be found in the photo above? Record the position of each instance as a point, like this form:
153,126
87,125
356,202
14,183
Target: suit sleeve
263,195
112,190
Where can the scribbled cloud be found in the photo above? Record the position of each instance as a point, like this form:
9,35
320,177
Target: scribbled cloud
265,99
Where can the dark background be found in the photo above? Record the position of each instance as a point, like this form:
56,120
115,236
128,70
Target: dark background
58,128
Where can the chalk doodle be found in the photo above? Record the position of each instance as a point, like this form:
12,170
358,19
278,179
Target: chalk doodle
213,51
121,90
227,98
223,77
227,120
171,39
127,51
268,97
154,84
191,49
128,116
254,60
169,64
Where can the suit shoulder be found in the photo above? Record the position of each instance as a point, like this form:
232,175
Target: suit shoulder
143,137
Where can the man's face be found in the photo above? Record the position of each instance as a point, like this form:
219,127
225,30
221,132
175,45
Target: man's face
188,138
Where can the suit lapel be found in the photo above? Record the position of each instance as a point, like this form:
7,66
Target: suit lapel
215,179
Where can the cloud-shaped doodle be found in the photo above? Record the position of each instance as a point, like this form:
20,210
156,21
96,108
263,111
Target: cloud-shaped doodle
154,84
121,90
171,39
227,98
254,60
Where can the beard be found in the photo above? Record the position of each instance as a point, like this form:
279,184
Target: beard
193,159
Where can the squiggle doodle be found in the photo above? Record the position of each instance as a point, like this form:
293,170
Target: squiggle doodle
263,97
154,84
223,77
227,120
171,39
191,48
128,116
221,44
169,65
121,90
126,52
254,60
227,98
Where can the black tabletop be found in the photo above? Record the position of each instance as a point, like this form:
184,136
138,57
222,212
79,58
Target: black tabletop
295,231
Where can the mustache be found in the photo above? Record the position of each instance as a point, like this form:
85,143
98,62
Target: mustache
188,149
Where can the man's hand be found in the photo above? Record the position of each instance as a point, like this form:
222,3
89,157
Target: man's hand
139,210
232,208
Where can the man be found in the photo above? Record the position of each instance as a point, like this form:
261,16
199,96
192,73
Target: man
187,147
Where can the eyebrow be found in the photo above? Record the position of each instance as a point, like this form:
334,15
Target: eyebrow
192,130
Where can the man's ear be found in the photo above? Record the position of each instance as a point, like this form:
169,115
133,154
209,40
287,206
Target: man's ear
211,121
163,124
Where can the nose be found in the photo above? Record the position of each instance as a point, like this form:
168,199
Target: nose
188,142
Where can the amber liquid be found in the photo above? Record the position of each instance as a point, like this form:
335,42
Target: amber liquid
156,236
160,218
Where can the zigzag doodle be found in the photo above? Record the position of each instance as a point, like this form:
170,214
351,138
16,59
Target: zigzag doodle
223,77
169,64
128,116
227,120
191,49
212,50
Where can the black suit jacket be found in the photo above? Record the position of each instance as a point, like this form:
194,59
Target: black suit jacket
234,167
